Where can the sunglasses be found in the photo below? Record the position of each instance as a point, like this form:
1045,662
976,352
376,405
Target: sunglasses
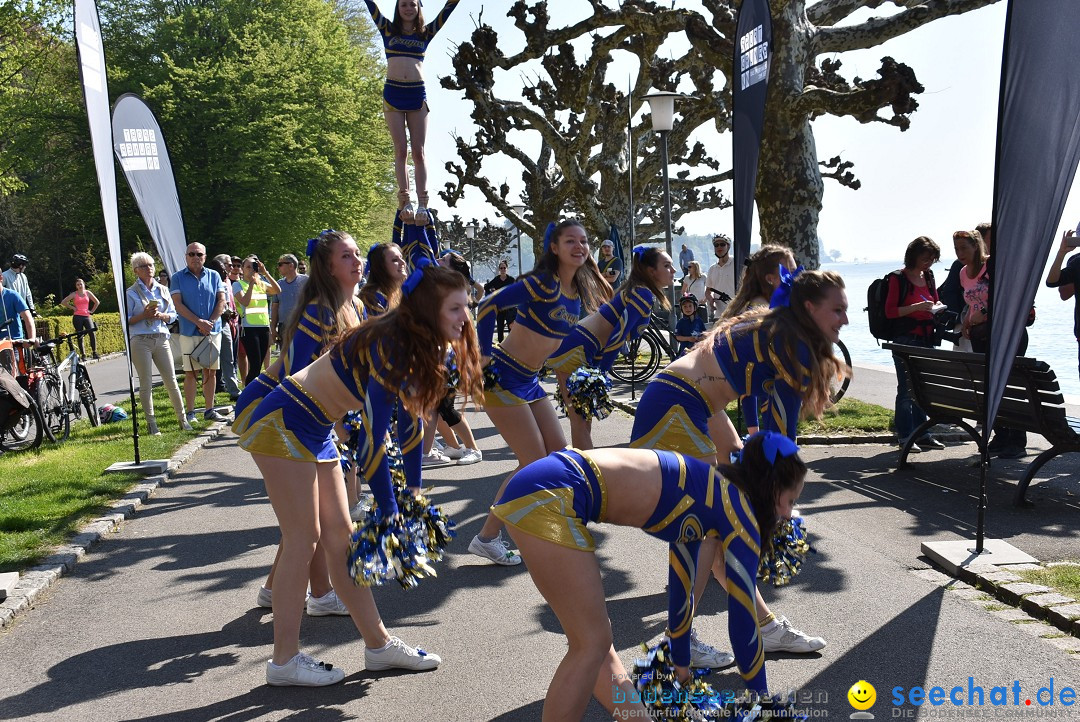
196,255
147,265
283,263
720,245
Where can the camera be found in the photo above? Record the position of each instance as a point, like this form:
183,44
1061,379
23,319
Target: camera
944,323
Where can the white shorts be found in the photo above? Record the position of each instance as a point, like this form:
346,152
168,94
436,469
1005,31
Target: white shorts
187,345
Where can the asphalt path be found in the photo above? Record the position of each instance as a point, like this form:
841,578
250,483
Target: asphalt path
159,620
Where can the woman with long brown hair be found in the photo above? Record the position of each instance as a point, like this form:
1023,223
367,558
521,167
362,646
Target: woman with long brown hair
549,300
395,358
386,271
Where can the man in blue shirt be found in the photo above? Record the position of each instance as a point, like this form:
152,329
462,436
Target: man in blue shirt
16,321
1066,279
199,296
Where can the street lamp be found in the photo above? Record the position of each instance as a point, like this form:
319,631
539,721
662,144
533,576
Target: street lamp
662,107
470,233
519,213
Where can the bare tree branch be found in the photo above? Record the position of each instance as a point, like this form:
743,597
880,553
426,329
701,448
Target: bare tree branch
877,30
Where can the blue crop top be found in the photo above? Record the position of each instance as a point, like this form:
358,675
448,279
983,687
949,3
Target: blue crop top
697,502
629,314
756,365
408,46
542,307
315,328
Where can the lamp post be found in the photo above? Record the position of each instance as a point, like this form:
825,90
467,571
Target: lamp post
519,214
662,108
470,233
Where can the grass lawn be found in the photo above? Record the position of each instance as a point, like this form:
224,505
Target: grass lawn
47,493
848,416
1064,578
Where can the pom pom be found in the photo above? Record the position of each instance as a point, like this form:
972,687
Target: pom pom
665,698
589,392
453,374
789,549
491,377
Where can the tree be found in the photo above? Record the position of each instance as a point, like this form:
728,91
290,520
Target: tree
580,158
491,243
583,165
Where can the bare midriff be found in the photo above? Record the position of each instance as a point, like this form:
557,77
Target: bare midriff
405,70
322,384
701,367
529,347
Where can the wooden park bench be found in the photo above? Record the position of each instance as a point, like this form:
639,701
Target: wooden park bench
949,386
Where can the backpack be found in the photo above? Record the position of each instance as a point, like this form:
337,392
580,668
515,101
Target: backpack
882,327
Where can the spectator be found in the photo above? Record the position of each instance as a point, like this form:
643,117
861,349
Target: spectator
150,311
720,283
282,305
301,267
227,382
610,266
235,267
690,327
1066,279
16,321
15,280
686,255
84,303
694,284
251,293
199,295
163,277
503,319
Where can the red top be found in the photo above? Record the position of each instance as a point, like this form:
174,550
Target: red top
915,294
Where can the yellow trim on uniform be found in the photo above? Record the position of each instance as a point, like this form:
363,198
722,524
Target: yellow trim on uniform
548,514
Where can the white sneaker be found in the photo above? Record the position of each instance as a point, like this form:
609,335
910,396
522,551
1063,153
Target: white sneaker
785,638
302,671
359,512
434,458
449,452
496,550
326,605
704,655
398,655
265,598
470,456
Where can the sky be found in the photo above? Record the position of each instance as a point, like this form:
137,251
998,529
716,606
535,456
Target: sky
934,178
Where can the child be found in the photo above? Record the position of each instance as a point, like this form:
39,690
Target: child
690,327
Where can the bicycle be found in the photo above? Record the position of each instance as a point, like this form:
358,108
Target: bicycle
64,391
26,431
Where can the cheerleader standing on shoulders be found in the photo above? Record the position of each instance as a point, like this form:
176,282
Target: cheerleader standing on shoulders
783,356
395,357
326,308
597,340
548,301
405,40
548,505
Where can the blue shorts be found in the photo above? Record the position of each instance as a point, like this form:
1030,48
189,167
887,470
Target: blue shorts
403,96
579,348
517,383
290,424
554,498
673,414
250,398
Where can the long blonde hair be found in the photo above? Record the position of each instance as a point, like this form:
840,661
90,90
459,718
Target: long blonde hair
760,264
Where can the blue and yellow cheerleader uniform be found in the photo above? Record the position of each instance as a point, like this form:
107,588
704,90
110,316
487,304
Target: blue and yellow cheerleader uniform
556,497
628,313
541,307
399,95
674,413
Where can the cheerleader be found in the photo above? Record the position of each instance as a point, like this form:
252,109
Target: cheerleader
386,271
548,300
405,40
548,505
397,357
598,339
783,356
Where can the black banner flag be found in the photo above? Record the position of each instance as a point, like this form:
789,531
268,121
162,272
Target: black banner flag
753,44
140,148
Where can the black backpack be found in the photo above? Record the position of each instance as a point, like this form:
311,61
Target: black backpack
882,327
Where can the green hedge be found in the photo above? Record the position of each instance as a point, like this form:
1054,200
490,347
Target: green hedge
110,334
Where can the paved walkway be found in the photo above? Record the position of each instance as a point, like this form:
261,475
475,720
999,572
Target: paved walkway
159,620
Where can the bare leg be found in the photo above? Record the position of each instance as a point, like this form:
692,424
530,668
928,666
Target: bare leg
395,123
209,387
532,432
189,390
417,122
429,433
463,430
570,582
580,427
318,575
447,433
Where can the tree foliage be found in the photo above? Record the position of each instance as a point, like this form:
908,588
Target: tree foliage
580,117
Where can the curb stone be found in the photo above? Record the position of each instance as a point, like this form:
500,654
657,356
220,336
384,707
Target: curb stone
35,580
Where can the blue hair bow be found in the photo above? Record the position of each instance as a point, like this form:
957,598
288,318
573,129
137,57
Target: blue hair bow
782,295
772,444
416,276
639,253
547,235
311,244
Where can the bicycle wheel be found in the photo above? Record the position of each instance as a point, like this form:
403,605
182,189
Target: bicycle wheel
640,362
57,421
87,395
27,432
840,387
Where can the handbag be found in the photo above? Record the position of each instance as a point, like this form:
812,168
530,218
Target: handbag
205,352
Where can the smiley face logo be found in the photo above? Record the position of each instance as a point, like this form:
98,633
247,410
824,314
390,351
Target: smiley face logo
862,695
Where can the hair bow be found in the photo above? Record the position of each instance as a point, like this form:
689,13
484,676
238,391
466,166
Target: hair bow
773,443
312,243
416,276
639,253
782,295
547,235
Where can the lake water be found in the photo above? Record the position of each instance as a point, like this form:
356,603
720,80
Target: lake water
1051,338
